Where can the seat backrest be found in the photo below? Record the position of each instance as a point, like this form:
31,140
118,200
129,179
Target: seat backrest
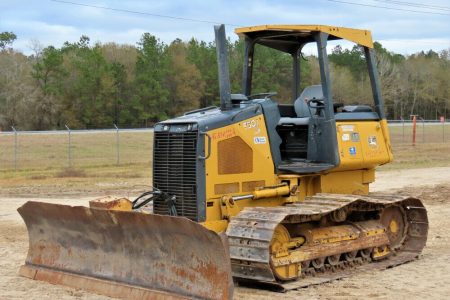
310,92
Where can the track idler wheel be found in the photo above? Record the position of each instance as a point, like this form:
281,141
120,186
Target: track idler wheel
280,247
393,218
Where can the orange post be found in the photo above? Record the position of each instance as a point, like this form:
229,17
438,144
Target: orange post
414,130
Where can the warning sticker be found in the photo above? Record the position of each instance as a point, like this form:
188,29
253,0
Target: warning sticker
372,141
355,137
259,140
346,137
352,150
347,127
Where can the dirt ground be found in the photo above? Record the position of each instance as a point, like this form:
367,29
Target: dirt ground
428,277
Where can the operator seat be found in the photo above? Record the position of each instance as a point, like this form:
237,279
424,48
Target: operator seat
301,108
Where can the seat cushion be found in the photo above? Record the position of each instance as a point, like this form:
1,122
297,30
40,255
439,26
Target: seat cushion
310,92
293,121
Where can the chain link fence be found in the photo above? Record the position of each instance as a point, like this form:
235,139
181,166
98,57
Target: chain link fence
81,149
402,132
46,150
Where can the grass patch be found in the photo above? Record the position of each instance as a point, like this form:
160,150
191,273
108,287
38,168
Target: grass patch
129,176
38,177
98,149
424,134
420,156
70,172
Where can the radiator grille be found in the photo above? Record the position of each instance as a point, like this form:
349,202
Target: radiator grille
174,171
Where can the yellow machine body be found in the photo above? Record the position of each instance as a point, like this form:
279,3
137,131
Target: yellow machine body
228,174
358,36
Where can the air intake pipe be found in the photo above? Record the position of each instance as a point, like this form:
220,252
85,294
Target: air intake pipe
222,62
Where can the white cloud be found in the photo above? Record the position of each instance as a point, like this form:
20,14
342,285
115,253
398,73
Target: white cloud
54,23
411,46
47,34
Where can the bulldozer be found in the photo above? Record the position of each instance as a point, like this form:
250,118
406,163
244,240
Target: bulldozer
252,192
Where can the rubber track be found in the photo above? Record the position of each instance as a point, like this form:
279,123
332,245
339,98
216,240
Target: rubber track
250,233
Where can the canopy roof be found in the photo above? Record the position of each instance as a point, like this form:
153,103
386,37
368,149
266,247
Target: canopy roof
287,38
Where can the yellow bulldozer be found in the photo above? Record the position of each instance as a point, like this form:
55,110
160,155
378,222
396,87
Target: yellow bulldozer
252,192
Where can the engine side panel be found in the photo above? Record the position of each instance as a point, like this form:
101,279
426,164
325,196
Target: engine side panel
240,161
362,145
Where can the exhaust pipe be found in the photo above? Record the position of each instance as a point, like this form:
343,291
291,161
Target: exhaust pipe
222,62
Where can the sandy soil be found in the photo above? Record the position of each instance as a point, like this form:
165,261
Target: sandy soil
427,277
407,178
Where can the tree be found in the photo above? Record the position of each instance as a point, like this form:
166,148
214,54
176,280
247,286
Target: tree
203,56
95,85
48,72
392,87
89,90
150,99
352,59
236,57
184,81
17,90
272,72
122,64
6,38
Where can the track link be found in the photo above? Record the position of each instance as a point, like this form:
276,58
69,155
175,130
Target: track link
250,234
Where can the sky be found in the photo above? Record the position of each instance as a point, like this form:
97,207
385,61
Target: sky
53,22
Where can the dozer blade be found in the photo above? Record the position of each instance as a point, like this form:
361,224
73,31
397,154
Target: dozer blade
125,254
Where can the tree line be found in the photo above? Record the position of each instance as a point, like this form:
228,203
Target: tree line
95,85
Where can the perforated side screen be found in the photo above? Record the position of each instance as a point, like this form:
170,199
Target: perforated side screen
234,156
249,186
226,188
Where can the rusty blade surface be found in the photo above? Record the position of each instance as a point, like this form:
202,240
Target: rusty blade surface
162,253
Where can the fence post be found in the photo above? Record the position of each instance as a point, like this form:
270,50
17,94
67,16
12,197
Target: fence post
117,145
403,130
443,131
414,119
423,129
15,148
69,150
